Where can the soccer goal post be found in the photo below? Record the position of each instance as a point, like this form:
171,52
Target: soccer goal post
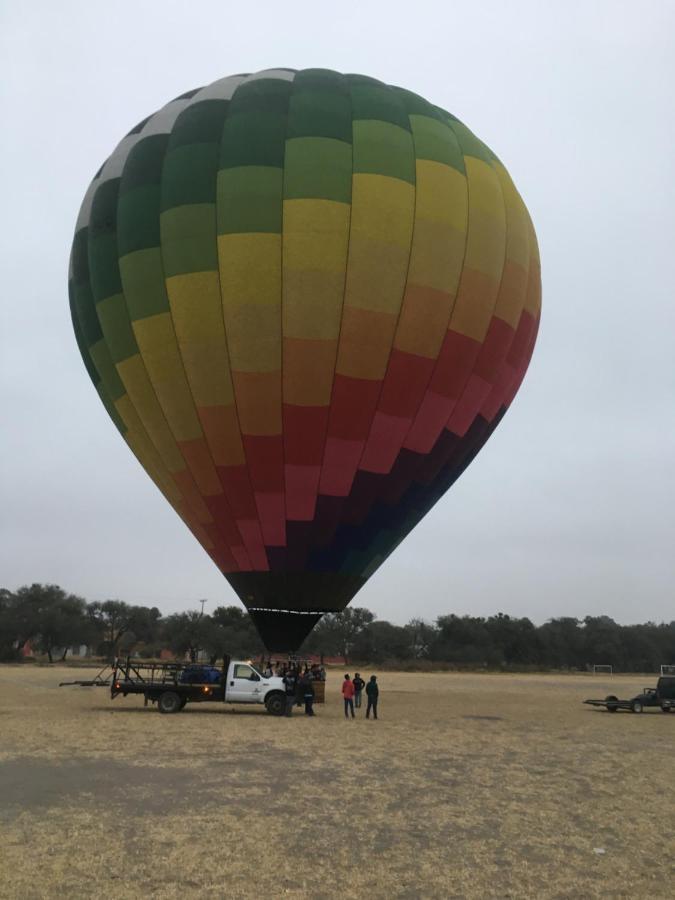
668,670
603,670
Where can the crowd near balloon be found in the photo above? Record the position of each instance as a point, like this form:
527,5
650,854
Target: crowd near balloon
53,623
306,300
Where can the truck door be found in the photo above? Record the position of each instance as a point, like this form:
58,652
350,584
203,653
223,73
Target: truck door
243,684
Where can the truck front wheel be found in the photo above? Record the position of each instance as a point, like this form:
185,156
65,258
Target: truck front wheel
276,705
169,702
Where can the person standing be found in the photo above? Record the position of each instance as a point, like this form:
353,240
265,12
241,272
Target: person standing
348,695
308,693
359,685
299,687
373,693
289,685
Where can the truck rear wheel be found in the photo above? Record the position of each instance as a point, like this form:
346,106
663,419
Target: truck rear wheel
276,705
169,702
636,706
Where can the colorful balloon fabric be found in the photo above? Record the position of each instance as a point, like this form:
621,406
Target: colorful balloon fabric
306,299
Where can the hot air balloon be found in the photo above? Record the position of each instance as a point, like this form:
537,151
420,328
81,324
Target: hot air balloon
306,300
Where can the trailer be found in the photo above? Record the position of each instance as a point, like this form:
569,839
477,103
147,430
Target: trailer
661,697
171,686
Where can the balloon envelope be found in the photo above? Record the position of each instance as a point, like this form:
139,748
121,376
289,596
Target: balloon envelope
305,299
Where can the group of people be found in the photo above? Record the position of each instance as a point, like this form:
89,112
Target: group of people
281,669
299,686
352,692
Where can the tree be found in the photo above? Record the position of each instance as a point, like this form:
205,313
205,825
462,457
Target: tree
9,626
233,633
336,632
380,641
516,639
63,622
421,636
562,643
602,641
114,619
187,632
51,618
465,639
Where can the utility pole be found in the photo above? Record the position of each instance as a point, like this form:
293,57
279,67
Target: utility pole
196,653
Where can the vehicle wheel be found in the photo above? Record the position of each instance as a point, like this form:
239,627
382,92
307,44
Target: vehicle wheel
609,700
169,702
636,706
276,705
665,709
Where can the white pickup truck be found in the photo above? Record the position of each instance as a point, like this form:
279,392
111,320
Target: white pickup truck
173,685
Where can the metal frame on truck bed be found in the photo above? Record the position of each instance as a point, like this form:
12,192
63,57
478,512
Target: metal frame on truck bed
169,685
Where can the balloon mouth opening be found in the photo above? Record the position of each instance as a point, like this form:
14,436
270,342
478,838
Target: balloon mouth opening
283,631
291,612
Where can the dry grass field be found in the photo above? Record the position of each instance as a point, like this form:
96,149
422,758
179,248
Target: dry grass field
477,786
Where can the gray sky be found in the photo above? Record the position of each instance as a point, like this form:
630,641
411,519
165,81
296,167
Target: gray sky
570,507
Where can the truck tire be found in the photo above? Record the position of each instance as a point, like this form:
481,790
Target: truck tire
665,708
169,702
636,706
611,700
275,704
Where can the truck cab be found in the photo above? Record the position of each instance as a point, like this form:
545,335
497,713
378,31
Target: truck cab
662,695
244,684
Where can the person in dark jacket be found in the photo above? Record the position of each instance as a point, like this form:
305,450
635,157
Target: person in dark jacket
307,687
289,685
299,688
372,693
359,685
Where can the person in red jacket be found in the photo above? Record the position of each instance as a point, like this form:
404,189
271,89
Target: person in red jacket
348,695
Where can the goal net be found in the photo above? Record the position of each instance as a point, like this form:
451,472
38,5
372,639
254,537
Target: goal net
668,670
602,670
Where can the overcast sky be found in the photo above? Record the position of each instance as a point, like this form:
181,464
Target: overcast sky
570,507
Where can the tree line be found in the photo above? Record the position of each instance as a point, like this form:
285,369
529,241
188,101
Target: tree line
53,621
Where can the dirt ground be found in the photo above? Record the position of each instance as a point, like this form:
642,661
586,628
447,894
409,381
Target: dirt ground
476,786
